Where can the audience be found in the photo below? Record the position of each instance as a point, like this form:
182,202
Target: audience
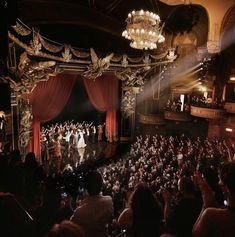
158,172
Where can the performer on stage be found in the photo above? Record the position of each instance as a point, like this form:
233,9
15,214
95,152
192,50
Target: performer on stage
57,148
67,136
44,144
93,133
87,132
100,132
81,142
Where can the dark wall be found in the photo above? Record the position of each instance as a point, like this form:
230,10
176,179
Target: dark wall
5,97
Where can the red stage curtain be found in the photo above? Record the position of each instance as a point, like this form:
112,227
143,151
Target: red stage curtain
48,99
103,94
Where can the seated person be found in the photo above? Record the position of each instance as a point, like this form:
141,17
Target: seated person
96,210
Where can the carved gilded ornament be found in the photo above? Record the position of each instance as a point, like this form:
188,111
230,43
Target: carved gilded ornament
67,56
35,43
26,119
98,65
128,103
21,30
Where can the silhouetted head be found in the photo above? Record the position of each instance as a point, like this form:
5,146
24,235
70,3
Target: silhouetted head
93,183
15,157
66,229
185,185
30,160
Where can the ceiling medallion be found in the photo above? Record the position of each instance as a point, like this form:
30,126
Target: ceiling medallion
144,30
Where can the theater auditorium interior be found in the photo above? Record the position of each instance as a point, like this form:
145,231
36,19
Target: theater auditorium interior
117,118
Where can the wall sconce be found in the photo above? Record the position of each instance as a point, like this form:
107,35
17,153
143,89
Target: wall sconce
228,129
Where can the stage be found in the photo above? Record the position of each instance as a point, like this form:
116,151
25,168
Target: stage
80,160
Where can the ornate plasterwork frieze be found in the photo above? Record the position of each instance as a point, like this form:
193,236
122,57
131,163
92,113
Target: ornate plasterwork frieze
85,60
26,119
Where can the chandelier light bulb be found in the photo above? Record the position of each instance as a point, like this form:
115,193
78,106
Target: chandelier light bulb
161,38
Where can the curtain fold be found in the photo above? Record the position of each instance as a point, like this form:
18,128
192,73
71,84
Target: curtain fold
103,94
47,100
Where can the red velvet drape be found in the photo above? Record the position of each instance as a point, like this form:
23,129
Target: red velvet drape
103,94
48,99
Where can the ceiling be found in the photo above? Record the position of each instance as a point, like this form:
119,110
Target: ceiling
99,23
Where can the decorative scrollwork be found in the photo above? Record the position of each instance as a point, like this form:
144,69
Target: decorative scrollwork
35,43
79,54
124,61
50,47
146,60
21,30
128,103
26,119
67,56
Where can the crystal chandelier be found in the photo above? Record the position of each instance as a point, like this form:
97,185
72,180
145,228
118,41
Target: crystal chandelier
143,29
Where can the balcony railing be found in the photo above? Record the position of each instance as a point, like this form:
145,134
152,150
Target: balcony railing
208,113
230,107
177,115
151,119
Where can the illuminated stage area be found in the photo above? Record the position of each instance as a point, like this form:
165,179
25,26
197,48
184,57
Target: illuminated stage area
81,160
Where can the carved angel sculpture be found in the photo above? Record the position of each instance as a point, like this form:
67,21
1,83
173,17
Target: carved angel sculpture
27,67
31,72
133,77
98,65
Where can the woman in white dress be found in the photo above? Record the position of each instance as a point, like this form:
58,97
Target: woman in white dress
81,142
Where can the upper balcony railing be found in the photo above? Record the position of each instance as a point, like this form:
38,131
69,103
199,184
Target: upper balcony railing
177,115
208,112
230,107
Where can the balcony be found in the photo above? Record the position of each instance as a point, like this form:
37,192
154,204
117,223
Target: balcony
177,115
208,113
154,119
230,107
